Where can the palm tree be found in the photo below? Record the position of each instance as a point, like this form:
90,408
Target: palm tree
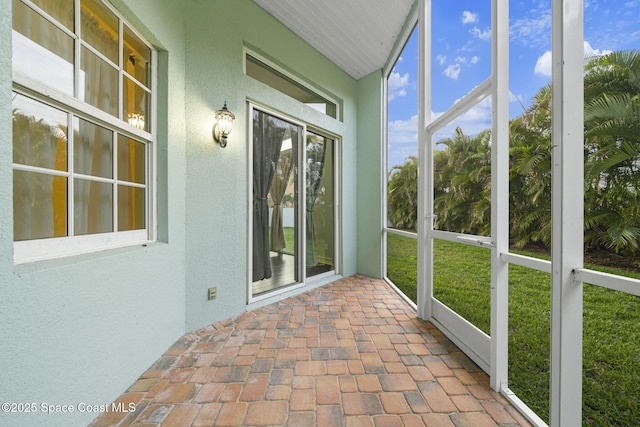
462,183
403,195
612,151
530,173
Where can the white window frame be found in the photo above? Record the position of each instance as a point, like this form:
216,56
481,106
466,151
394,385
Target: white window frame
49,248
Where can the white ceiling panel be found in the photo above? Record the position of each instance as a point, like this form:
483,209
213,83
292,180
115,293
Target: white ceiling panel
356,35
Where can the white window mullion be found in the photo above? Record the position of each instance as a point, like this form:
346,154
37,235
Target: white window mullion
302,202
114,207
49,18
148,206
136,82
76,49
131,184
37,169
97,53
71,181
120,71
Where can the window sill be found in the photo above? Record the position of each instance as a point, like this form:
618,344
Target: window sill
32,264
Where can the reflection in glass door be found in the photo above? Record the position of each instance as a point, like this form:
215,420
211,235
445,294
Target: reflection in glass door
320,205
293,188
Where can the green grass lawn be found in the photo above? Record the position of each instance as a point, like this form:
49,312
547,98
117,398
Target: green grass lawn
611,338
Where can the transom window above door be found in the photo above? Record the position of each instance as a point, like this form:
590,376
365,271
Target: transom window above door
279,79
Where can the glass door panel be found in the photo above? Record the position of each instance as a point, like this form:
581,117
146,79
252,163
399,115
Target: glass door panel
320,205
275,252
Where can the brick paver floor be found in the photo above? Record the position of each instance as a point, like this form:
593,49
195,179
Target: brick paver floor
351,353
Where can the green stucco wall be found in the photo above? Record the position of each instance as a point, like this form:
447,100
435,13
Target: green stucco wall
217,199
83,328
370,175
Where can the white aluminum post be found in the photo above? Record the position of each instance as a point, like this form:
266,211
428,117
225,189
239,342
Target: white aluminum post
425,171
499,194
567,212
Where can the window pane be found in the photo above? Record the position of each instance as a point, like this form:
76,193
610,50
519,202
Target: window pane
131,208
275,79
61,10
93,207
131,160
137,58
402,264
39,206
99,83
41,50
39,134
136,102
100,28
92,152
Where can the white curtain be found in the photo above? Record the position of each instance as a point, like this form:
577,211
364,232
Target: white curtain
316,149
278,189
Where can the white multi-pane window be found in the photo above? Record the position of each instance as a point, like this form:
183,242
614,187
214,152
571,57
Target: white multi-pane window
82,120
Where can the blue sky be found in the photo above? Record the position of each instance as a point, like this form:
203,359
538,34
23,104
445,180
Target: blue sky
461,49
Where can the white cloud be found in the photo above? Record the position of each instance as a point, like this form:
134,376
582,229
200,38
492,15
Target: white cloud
441,59
469,17
403,131
589,51
402,140
452,71
544,65
482,35
533,29
462,60
397,85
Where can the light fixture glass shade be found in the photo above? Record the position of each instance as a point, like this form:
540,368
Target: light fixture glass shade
223,125
136,119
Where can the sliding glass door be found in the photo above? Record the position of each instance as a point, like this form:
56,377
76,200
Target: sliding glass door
293,233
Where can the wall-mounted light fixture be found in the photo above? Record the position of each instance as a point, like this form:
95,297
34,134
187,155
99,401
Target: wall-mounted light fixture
136,119
223,125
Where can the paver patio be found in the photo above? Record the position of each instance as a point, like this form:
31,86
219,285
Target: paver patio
351,353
